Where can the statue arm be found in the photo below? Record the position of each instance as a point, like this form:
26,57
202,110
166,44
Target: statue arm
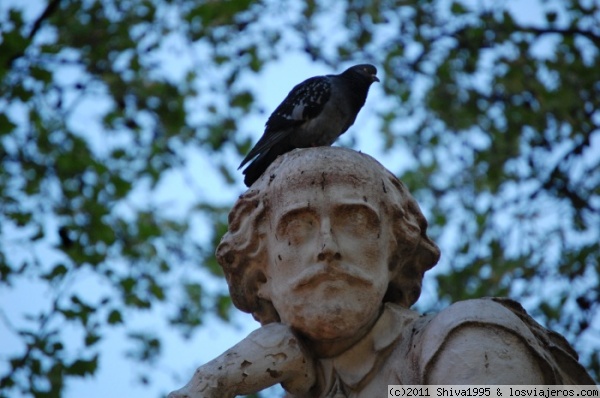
270,355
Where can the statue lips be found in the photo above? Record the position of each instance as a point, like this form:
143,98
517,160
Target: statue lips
319,273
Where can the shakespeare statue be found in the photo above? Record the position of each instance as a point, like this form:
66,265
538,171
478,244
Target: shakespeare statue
327,250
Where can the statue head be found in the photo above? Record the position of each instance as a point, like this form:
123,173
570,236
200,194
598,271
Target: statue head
329,228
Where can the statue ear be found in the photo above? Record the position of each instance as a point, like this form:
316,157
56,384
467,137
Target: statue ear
265,312
263,290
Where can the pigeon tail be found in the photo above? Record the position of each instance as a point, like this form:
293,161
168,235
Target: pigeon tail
258,167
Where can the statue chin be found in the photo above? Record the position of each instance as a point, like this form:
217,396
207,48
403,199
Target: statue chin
320,318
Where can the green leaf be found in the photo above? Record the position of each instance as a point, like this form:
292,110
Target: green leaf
91,339
6,125
82,367
58,271
157,291
242,100
224,305
457,8
551,16
114,317
127,284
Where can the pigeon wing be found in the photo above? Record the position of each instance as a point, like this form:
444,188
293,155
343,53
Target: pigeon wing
303,103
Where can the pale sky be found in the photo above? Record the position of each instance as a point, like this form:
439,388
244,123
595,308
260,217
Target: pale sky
117,374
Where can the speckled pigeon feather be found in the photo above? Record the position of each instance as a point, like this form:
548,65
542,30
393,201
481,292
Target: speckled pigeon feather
315,113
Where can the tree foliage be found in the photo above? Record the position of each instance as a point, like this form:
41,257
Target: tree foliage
102,101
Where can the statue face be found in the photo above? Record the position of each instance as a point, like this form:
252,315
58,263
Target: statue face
329,247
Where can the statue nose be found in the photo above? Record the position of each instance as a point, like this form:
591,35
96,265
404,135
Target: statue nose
329,249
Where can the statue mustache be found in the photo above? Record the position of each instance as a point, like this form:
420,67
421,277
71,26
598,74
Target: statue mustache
312,274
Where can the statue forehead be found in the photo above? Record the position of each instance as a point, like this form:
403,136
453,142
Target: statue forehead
316,176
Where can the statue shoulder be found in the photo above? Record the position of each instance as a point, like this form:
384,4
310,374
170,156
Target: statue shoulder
494,341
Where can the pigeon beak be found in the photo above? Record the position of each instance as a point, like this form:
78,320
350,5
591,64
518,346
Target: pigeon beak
374,78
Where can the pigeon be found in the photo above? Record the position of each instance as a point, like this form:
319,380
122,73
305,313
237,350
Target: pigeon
315,113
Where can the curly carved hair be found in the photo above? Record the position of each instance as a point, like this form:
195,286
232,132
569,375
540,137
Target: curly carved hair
243,253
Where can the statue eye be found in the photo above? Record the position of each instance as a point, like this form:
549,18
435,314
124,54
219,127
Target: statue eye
357,219
297,227
361,219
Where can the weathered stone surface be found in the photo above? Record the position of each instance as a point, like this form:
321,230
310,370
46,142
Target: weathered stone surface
270,355
328,250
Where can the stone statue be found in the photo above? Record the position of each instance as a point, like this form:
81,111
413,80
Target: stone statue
327,250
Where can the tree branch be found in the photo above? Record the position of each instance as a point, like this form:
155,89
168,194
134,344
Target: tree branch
37,24
50,8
